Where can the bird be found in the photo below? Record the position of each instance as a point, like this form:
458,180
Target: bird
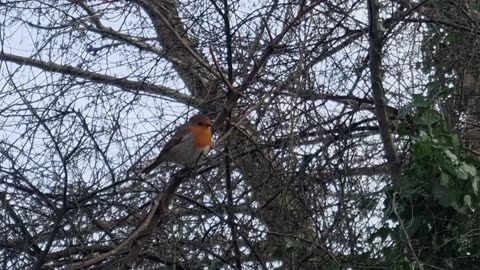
189,142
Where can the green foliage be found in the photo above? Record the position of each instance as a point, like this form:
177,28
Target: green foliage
432,210
436,198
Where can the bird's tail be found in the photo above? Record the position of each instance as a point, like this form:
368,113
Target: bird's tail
152,166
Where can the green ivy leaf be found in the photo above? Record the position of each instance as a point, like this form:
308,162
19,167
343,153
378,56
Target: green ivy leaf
469,168
432,118
475,182
445,196
455,142
461,172
467,199
444,178
420,101
423,146
293,245
428,118
450,155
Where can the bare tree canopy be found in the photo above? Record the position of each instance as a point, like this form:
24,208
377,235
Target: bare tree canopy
310,100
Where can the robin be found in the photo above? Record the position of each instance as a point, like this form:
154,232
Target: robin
189,142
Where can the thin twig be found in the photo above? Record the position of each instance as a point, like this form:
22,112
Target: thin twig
158,210
402,226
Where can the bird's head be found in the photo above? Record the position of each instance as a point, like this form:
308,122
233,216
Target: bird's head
201,120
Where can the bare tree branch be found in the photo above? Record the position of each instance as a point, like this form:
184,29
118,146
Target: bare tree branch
375,51
122,83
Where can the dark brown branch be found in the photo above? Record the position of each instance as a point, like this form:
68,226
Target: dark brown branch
233,96
138,238
158,211
227,160
19,223
197,74
124,84
375,51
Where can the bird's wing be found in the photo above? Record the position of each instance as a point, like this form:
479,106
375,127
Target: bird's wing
178,137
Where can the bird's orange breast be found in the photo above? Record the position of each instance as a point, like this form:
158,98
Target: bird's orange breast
202,136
